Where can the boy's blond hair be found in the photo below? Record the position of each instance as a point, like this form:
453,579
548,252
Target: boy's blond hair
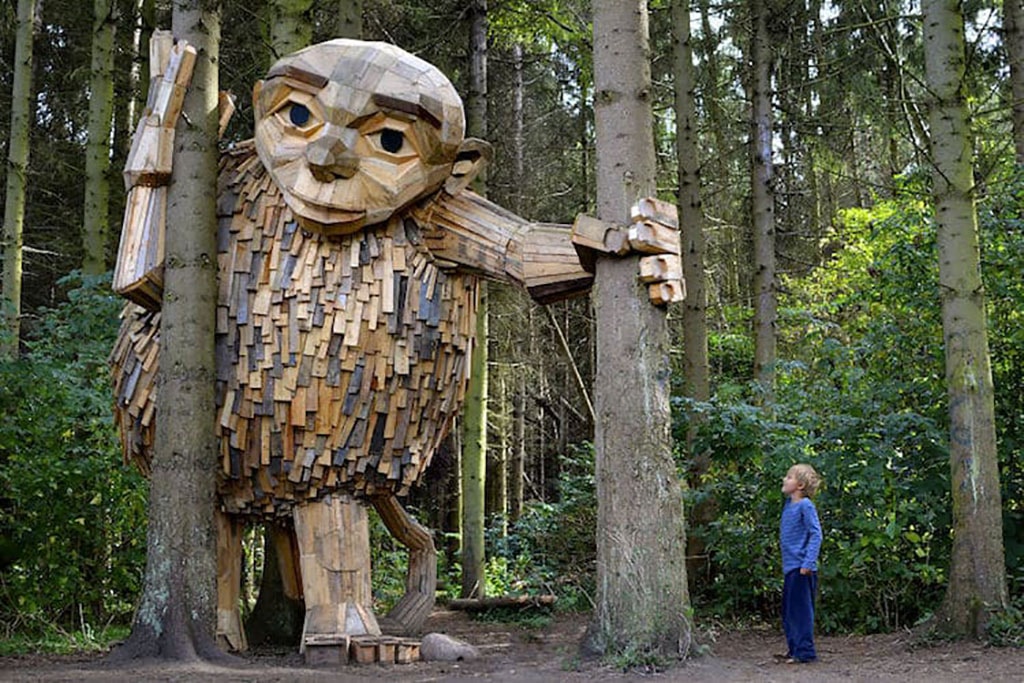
808,476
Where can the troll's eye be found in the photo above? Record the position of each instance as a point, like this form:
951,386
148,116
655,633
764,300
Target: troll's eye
298,114
391,140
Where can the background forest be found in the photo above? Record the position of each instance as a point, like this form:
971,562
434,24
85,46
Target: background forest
857,375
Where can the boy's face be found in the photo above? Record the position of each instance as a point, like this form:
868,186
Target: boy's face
790,483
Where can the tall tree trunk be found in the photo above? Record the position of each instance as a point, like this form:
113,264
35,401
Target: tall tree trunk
497,453
762,199
977,576
517,453
350,19
474,462
517,468
96,217
518,129
290,27
177,615
691,224
641,572
474,424
1013,39
147,24
17,180
729,281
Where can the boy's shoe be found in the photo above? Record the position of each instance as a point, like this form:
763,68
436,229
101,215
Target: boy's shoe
794,660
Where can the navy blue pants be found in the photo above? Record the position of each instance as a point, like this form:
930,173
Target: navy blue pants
798,593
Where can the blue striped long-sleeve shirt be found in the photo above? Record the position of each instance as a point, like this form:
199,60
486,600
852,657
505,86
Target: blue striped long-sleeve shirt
799,535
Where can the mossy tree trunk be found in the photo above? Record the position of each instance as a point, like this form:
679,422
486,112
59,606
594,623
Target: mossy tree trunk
474,413
177,614
17,180
977,575
350,19
291,27
762,198
96,216
691,225
1013,40
642,598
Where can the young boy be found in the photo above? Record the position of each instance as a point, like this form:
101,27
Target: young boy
800,540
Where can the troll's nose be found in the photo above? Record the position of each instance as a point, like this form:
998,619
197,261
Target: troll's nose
332,155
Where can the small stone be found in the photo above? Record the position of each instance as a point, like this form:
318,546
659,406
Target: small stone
438,647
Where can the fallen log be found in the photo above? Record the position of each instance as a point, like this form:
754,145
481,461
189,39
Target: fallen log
501,602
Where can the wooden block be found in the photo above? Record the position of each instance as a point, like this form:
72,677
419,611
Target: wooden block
670,292
407,651
138,274
660,268
226,109
653,238
598,235
653,209
387,648
149,160
160,45
327,650
363,649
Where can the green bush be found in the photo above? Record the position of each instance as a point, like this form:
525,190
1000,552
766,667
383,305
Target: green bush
551,547
72,515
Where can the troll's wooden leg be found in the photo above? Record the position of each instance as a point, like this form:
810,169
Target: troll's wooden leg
230,632
413,609
334,558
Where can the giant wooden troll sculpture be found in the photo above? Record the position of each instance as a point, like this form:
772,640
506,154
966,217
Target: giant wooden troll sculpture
350,253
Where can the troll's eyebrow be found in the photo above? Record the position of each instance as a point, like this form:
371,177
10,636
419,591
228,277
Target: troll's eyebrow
408,107
297,74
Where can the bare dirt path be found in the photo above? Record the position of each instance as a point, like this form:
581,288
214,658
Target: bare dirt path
517,654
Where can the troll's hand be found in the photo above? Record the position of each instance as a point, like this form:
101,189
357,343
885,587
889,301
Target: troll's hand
654,232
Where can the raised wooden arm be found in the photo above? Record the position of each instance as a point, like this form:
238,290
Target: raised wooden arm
469,231
552,262
138,274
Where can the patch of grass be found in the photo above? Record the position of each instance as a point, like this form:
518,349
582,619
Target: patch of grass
639,660
1007,628
531,618
60,642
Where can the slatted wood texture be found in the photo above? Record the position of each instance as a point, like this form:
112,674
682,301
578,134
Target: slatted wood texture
341,361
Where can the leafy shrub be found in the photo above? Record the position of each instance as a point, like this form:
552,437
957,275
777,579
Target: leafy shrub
72,516
1007,628
551,547
880,509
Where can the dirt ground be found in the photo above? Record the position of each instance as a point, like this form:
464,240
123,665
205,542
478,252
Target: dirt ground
517,654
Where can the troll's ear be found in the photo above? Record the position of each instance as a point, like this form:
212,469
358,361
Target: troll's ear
472,157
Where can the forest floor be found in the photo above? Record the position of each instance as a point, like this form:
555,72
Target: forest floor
518,654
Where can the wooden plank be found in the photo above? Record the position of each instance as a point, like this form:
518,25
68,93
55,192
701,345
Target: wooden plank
656,210
661,267
653,238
